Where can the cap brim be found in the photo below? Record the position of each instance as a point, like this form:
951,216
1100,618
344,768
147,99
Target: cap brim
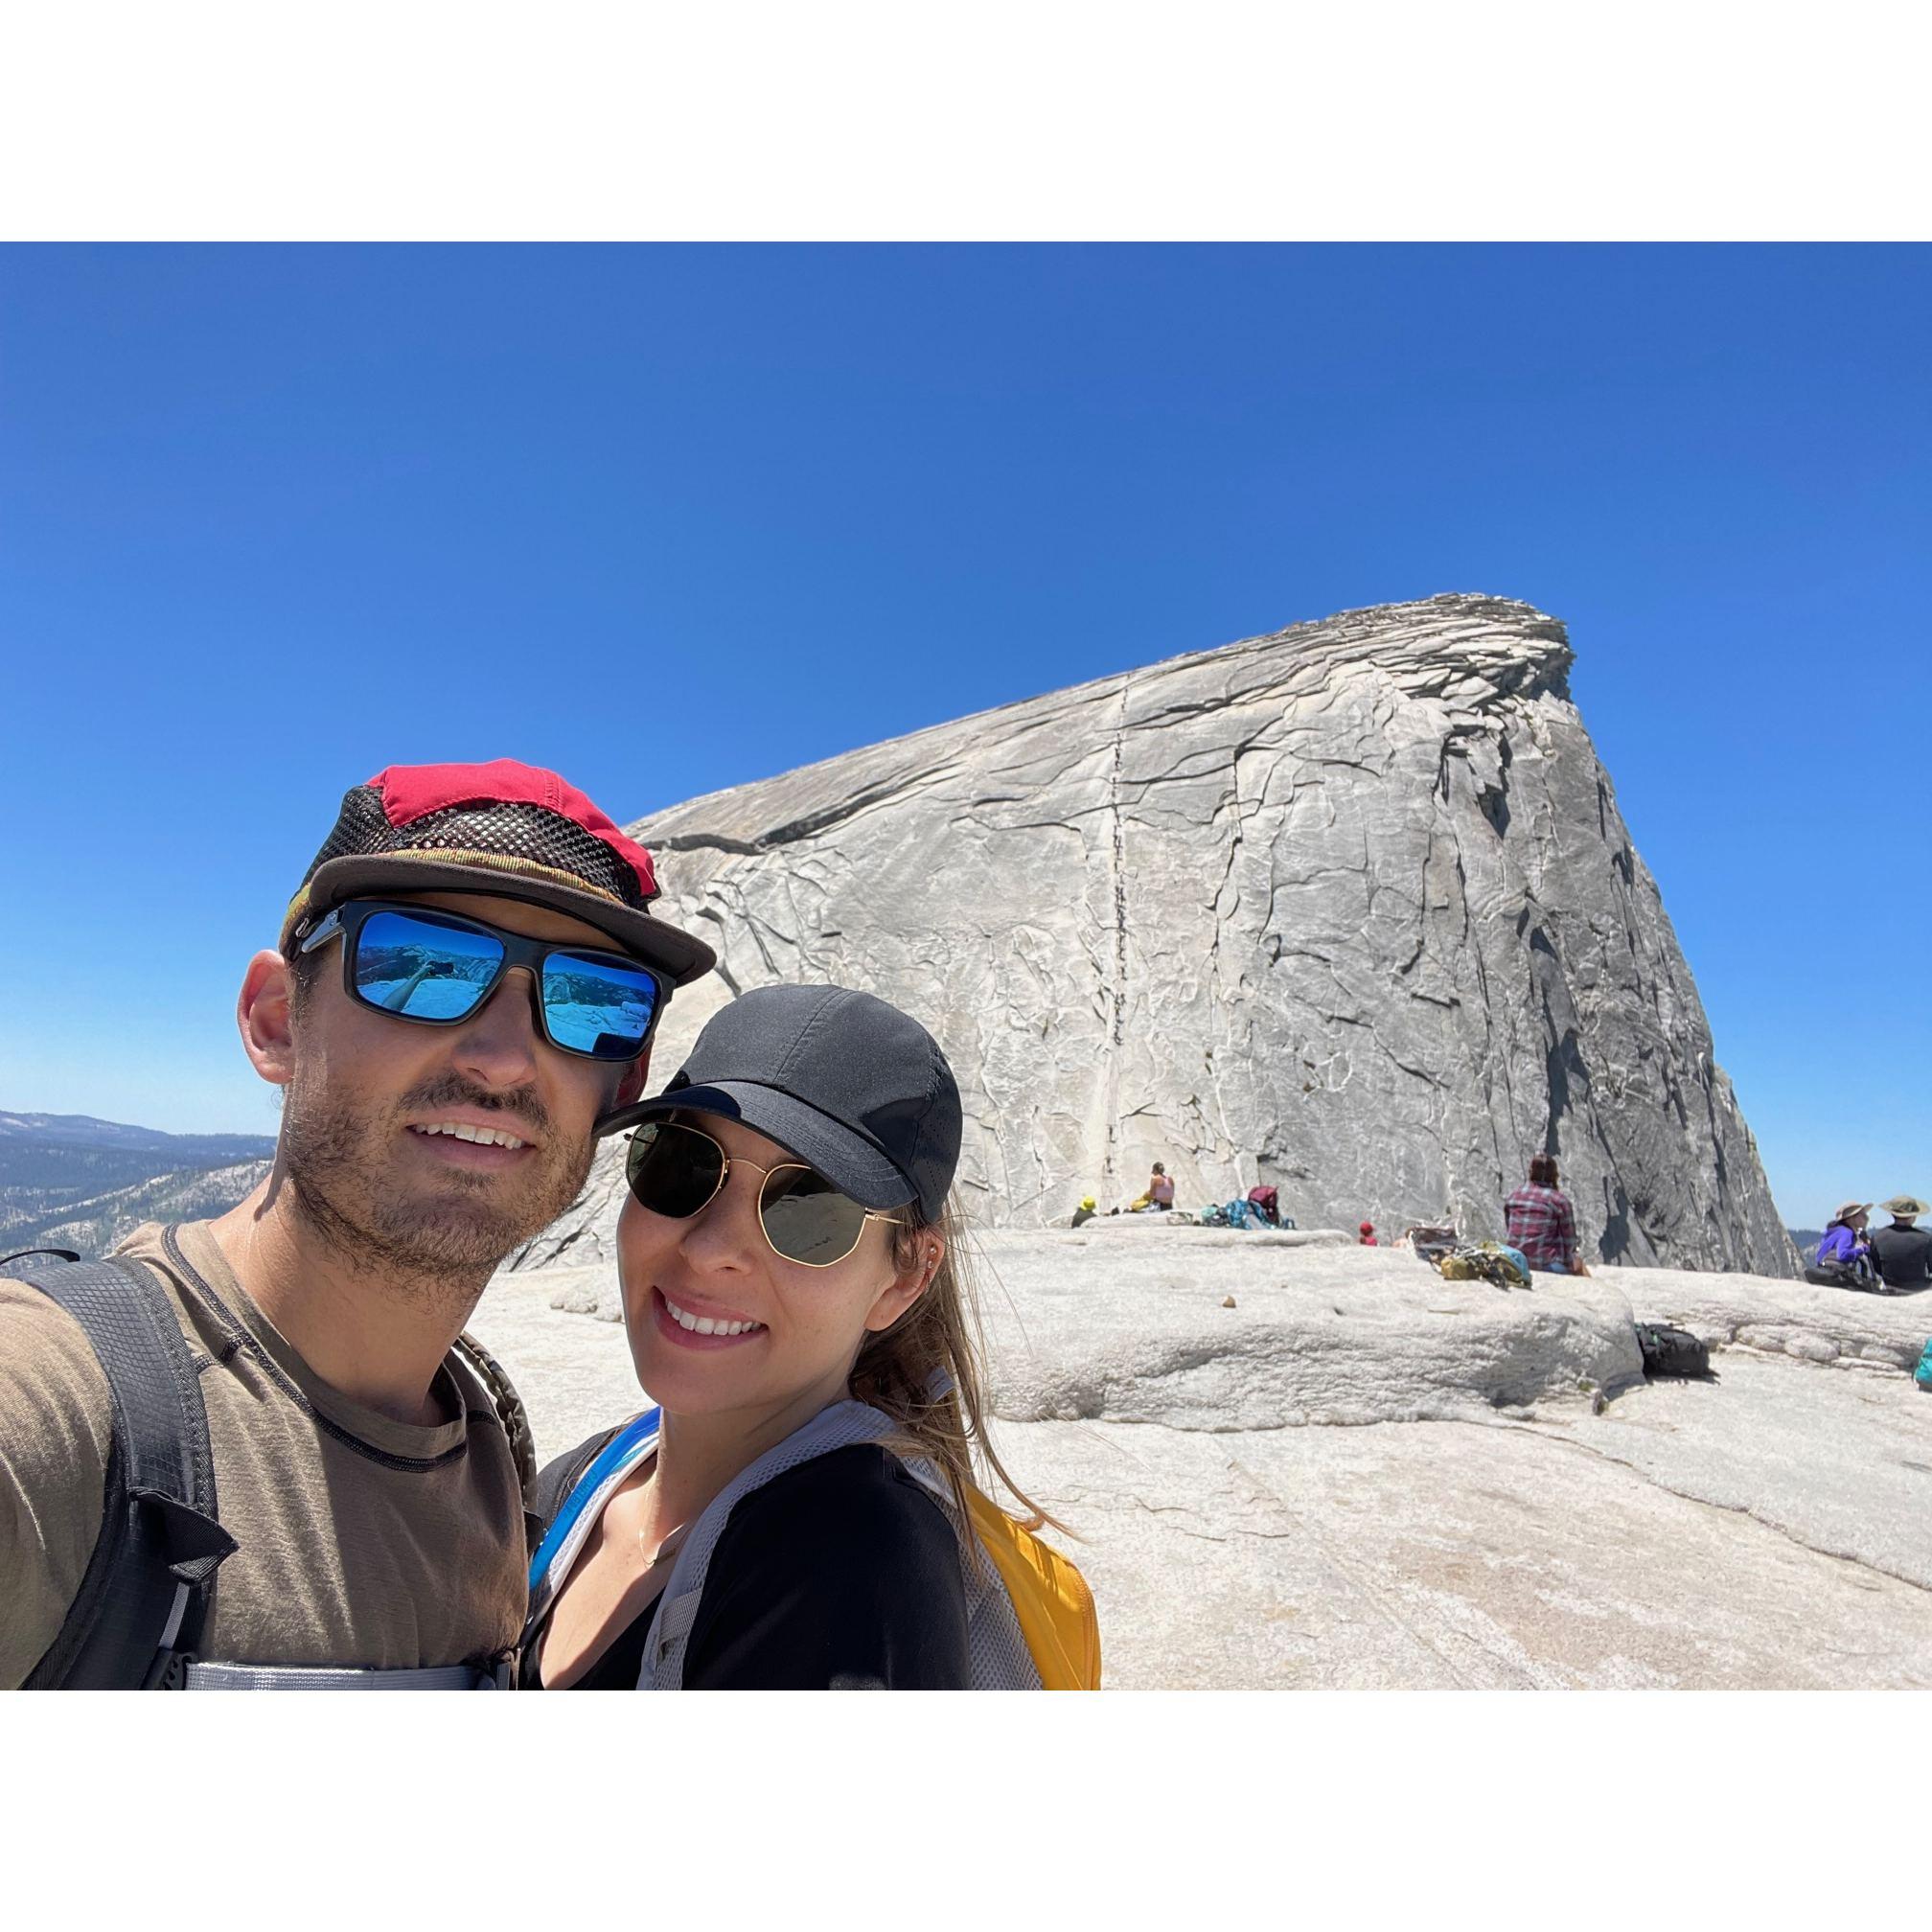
679,956
847,1160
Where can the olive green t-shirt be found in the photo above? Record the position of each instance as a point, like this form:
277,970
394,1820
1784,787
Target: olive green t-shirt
363,1541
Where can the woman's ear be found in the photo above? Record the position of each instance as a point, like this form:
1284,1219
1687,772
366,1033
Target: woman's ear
909,1283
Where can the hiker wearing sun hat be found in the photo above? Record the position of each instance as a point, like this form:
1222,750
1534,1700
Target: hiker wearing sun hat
1903,1252
1844,1256
799,1512
255,1451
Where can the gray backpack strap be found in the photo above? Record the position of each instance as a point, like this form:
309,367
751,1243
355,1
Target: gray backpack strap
516,1421
308,1677
508,1404
138,1614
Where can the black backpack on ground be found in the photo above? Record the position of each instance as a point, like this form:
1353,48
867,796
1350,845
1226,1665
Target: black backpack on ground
137,1617
1672,1352
1840,1275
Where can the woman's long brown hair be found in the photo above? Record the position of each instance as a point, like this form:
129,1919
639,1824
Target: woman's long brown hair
895,1371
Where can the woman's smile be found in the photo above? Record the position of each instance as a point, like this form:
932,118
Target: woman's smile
702,1327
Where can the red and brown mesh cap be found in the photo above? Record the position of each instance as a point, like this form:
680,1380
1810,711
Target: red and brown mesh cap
508,829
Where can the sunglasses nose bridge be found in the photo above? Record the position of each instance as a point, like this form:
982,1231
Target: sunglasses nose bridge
500,989
488,1024
725,1230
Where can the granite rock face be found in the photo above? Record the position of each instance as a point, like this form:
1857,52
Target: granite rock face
1348,908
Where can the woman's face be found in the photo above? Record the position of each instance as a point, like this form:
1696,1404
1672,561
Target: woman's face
807,1322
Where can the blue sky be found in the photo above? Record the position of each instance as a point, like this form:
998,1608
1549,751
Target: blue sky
673,517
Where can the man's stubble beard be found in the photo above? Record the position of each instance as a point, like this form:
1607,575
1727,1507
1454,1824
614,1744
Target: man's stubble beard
443,1240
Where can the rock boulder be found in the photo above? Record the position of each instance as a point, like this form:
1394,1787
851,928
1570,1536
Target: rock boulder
1348,908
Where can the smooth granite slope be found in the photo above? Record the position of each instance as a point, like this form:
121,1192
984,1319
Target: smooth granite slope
1512,1506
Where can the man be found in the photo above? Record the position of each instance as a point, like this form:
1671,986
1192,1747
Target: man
468,978
1541,1225
1903,1252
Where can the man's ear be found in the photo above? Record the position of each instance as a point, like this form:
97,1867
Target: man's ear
264,1012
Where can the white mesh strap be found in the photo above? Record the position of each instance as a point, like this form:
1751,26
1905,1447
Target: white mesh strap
302,1677
996,1651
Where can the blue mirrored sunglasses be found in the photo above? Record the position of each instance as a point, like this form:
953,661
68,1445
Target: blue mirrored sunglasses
438,969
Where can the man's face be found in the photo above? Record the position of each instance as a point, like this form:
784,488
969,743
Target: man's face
369,1091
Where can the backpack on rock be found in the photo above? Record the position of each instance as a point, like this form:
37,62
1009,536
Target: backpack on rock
1672,1351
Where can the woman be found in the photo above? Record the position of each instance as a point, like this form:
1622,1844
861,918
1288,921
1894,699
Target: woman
1844,1256
795,1513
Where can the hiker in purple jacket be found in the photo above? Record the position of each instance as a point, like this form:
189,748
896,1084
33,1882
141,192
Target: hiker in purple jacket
1845,1245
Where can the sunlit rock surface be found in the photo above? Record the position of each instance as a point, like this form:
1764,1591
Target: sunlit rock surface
1498,1499
1349,910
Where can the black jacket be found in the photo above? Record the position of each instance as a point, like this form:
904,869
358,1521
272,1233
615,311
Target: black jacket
840,1574
1903,1256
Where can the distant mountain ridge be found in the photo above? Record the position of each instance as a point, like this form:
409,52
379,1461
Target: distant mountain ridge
83,1130
70,1180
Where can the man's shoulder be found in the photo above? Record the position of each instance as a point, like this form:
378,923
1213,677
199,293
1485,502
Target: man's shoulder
46,1359
56,1426
158,1244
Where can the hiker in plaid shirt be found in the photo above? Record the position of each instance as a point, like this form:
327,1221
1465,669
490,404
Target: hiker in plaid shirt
1541,1223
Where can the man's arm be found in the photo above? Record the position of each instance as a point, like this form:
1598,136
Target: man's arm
55,1425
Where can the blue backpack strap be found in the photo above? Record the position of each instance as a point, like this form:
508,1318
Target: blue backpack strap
566,1490
138,1614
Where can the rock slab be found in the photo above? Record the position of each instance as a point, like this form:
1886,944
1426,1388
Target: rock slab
1766,1530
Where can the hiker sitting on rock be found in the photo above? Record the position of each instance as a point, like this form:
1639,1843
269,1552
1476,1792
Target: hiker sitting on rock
1903,1252
1542,1225
1843,1258
1160,1189
1085,1212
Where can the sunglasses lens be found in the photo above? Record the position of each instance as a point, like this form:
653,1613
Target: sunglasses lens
597,1005
807,1219
423,969
672,1170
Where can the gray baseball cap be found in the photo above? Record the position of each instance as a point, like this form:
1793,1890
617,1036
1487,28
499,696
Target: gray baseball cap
850,1085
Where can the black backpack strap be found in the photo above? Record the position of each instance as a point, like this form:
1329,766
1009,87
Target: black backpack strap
563,1475
516,1421
142,1603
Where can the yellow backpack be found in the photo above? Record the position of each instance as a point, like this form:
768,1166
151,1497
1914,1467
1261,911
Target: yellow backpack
1049,1597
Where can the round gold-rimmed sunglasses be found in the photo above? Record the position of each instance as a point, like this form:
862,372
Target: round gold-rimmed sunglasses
676,1170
